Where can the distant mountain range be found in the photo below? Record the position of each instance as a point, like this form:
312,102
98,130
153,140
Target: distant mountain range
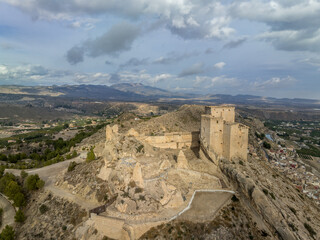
141,93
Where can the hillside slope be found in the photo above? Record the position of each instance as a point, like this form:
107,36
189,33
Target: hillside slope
185,119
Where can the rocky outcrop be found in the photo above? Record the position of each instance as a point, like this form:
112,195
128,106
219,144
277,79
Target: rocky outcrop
137,175
182,161
280,221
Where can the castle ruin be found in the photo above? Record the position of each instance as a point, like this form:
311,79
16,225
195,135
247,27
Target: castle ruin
221,135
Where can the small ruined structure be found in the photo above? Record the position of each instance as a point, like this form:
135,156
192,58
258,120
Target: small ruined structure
221,135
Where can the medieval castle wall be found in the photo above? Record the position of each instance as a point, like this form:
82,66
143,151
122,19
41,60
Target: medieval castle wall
220,133
175,140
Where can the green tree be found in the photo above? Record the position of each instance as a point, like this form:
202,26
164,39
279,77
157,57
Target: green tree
19,217
33,182
2,168
74,154
7,233
90,155
19,200
71,166
4,181
12,189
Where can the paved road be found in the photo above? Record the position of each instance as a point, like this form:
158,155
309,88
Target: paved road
8,212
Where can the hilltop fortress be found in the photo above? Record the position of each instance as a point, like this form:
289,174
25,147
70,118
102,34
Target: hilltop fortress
153,177
221,136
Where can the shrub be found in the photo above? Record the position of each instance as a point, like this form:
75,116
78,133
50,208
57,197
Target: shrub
90,155
142,198
266,145
292,226
261,136
140,148
7,233
310,229
19,217
12,189
43,209
272,195
105,198
138,190
74,154
33,182
19,200
23,174
265,191
72,166
293,210
234,198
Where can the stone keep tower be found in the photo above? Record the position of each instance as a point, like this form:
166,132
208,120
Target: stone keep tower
221,135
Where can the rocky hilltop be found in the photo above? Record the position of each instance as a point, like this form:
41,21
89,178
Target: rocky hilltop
150,182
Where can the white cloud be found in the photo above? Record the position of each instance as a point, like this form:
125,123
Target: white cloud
224,81
200,80
141,77
312,61
273,83
219,65
39,75
30,74
294,25
186,18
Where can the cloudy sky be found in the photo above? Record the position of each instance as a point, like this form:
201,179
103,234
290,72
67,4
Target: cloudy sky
265,48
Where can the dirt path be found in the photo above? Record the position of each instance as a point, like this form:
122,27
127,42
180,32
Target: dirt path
49,174
8,212
84,203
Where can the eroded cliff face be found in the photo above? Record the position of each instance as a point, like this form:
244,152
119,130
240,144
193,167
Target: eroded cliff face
282,207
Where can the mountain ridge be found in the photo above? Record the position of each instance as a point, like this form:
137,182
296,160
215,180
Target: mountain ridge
144,93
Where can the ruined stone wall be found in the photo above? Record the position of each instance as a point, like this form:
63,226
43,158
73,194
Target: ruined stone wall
109,226
176,140
205,130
